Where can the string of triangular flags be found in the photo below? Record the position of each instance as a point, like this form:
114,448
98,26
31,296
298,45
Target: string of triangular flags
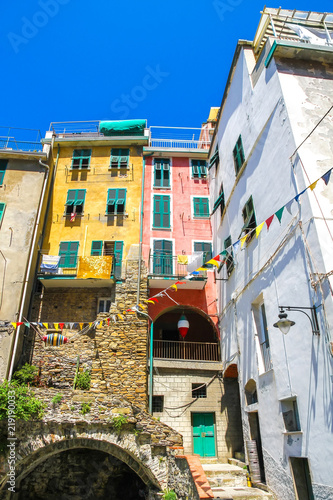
217,261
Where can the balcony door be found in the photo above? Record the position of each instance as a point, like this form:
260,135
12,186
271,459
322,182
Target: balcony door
162,263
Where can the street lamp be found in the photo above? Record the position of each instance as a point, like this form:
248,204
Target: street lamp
284,323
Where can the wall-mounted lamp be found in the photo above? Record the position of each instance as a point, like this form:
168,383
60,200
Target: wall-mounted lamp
284,323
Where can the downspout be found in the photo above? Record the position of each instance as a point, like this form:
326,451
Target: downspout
141,224
28,269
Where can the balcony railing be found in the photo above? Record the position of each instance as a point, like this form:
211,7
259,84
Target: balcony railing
197,351
179,138
171,266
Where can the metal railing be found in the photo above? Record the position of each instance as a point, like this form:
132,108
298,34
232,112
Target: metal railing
198,351
16,139
179,138
171,265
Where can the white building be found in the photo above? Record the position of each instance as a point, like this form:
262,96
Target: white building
275,139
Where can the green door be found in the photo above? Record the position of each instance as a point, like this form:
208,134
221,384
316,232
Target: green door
203,434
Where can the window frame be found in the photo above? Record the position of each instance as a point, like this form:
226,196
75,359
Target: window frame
77,198
154,403
203,201
201,390
249,217
117,201
162,199
2,211
68,254
164,167
230,262
205,252
81,158
201,169
119,161
215,159
238,155
105,300
3,169
220,202
262,335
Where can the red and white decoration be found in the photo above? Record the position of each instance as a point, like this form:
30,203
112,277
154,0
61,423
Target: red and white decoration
183,325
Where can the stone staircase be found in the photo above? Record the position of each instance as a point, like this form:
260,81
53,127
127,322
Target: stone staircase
229,482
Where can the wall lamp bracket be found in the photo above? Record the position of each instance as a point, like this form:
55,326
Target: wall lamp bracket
284,324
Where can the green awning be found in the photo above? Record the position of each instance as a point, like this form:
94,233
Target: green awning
122,127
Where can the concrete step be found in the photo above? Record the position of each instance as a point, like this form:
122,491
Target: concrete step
240,493
228,475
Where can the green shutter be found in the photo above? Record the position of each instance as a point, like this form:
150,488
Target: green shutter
118,257
238,153
68,253
219,201
2,210
201,207
80,196
119,158
161,211
214,159
96,248
157,211
3,167
199,168
71,197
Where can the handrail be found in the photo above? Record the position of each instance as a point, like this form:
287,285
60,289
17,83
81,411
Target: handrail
198,351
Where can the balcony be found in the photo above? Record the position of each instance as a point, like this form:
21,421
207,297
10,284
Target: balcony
15,141
166,270
195,351
181,139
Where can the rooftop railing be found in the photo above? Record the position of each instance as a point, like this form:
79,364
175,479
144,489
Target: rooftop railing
20,139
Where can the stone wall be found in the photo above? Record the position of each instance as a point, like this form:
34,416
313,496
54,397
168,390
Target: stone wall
114,352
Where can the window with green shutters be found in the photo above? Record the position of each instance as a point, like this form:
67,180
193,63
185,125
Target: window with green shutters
199,169
206,248
81,159
201,207
116,200
3,167
119,158
118,258
161,211
214,160
249,218
75,201
162,255
162,173
68,253
238,153
230,255
96,248
219,202
2,211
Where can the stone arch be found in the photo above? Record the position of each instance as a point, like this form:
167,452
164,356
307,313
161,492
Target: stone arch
231,371
32,458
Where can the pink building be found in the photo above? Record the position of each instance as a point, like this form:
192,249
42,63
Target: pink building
177,240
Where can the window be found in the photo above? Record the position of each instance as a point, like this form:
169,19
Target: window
162,257
199,169
206,248
157,404
199,391
219,202
114,248
162,173
263,350
161,211
3,167
104,305
230,255
2,210
249,218
214,159
290,415
119,158
68,253
239,156
81,158
116,201
201,207
75,201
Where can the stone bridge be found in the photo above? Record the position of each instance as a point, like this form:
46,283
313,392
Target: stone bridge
113,450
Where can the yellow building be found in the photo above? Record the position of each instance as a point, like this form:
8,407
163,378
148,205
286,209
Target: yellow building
93,221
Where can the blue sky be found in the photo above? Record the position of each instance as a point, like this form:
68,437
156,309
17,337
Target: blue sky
166,61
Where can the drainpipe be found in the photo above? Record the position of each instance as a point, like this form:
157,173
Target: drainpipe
28,269
141,223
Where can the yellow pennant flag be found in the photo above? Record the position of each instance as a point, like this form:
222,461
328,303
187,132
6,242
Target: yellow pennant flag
174,286
56,326
100,324
81,326
120,316
151,301
201,269
46,325
14,325
259,228
243,240
313,185
215,262
141,305
90,325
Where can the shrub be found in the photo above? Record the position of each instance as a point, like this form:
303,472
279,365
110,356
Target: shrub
83,381
57,399
85,408
169,495
27,407
27,374
119,422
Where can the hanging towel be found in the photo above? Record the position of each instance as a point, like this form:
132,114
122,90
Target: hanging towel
182,259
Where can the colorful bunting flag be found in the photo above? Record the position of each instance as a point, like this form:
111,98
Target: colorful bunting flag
242,240
46,325
174,286
288,205
279,214
56,326
81,325
269,221
326,177
299,194
313,185
62,325
236,246
14,325
214,262
259,228
27,324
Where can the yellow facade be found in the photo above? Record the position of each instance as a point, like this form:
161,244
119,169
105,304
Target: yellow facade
94,224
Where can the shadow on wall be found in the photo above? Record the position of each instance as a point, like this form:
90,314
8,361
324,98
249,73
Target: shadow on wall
230,403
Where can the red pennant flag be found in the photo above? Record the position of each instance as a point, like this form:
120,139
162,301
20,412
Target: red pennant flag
269,221
155,300
108,321
19,323
62,325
